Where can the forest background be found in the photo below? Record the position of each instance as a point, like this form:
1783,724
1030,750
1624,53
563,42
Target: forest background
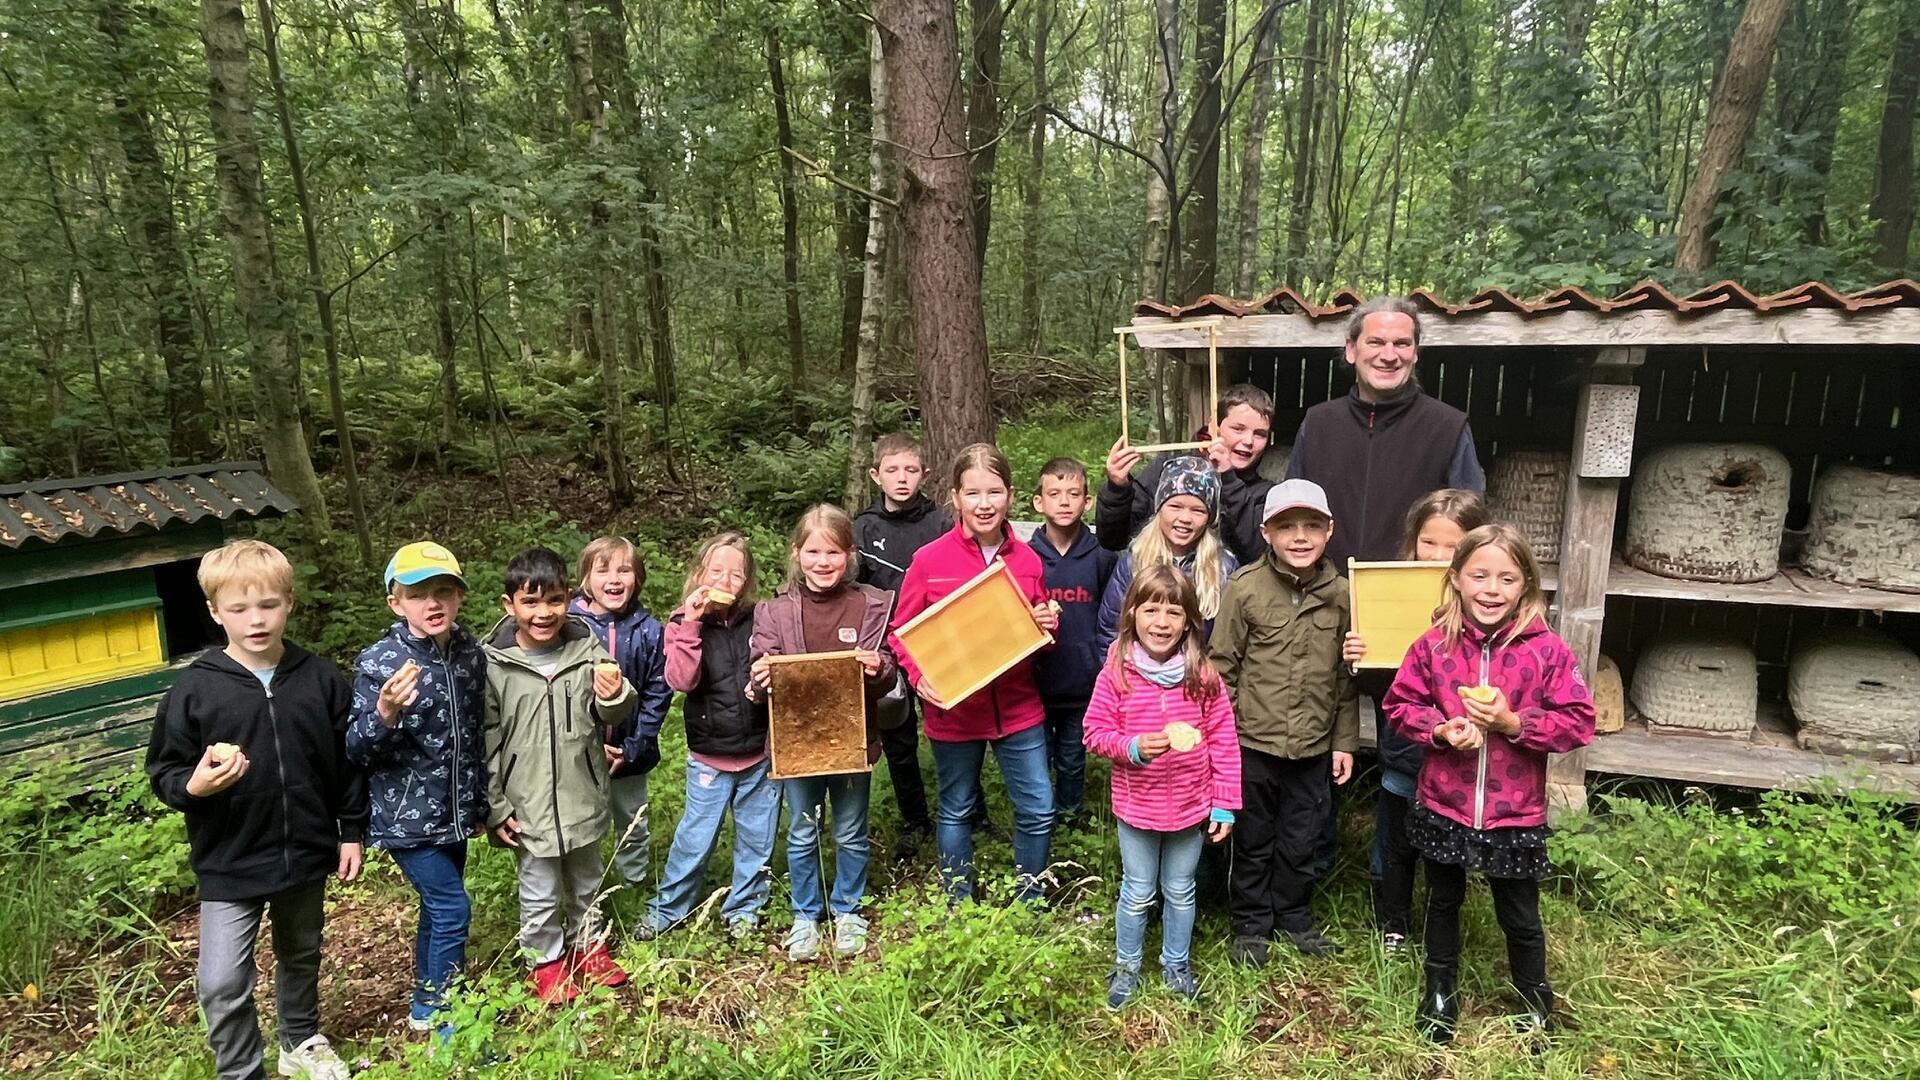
503,272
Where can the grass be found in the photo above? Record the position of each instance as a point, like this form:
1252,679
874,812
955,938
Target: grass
991,991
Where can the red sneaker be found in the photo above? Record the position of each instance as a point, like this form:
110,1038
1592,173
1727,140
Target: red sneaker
553,982
596,965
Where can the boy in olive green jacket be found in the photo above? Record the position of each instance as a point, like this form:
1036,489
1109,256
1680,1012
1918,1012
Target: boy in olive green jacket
1276,644
553,693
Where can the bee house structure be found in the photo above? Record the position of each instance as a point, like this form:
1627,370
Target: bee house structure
1816,377
99,605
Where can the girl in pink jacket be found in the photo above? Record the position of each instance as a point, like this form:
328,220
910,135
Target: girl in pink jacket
1489,692
1005,715
1161,713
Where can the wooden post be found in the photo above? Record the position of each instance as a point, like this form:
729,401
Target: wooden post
1602,446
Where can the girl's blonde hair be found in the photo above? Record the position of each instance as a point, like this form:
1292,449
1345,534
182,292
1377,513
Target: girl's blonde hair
1150,548
822,518
697,569
1531,606
1458,505
1163,584
606,549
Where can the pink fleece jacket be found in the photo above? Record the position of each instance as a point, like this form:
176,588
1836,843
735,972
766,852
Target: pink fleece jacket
1010,703
1504,783
1177,789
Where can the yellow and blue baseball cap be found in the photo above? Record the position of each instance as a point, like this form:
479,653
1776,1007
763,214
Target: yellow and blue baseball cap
415,563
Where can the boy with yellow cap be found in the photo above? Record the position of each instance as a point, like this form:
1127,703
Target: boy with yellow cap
419,703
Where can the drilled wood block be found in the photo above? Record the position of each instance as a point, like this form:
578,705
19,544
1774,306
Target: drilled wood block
1606,443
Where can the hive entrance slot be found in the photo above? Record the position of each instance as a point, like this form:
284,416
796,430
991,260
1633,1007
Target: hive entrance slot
1737,476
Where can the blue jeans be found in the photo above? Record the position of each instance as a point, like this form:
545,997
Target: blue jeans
438,873
808,800
1067,754
754,800
1023,765
1162,862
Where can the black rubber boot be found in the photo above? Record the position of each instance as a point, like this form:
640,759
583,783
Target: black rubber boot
1537,1020
1439,1010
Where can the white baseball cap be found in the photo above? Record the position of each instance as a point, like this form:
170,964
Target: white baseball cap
1291,493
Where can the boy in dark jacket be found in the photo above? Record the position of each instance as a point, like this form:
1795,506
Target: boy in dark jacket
1077,571
419,700
887,534
611,577
262,838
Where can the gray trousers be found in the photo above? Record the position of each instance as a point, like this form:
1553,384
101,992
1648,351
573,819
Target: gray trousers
631,854
557,901
228,929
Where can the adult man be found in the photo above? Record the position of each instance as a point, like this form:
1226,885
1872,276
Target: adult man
1386,443
1239,438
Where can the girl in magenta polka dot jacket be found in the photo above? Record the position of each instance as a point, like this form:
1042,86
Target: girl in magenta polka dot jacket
1490,691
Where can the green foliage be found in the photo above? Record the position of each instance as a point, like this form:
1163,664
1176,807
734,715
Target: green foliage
1789,859
82,857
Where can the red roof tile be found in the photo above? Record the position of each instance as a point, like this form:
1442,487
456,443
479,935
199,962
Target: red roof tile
1643,296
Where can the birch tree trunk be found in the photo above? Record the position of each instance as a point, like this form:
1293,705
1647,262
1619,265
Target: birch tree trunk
873,289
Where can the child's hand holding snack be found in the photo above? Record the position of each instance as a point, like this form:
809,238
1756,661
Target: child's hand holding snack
221,767
1487,708
607,680
399,693
1152,745
1047,616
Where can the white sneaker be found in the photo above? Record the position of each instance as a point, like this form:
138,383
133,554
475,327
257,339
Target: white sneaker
849,934
803,941
313,1059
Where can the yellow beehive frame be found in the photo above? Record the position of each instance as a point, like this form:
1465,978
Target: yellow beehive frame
973,635
834,723
1393,605
1212,327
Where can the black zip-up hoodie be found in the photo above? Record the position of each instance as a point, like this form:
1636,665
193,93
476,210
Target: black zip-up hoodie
887,539
283,823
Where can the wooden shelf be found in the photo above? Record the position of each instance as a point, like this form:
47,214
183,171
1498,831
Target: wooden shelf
1768,759
1788,588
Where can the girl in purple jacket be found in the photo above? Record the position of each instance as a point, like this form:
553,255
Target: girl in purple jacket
1162,714
1488,692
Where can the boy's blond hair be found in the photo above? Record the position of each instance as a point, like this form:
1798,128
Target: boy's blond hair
898,442
240,563
610,548
823,518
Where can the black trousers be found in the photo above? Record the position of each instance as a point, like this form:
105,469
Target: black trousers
1285,804
1393,905
1516,904
902,747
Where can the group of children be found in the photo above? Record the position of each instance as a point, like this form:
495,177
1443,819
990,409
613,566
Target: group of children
1223,695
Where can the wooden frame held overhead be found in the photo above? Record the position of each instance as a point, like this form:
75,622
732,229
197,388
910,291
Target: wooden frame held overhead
1212,327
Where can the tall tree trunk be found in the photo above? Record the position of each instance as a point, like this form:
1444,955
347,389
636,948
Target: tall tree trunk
983,113
659,326
1156,275
1809,81
1253,149
873,290
259,293
1157,269
789,212
936,213
149,206
1892,205
594,327
322,296
853,126
1736,102
1200,210
1031,225
1306,132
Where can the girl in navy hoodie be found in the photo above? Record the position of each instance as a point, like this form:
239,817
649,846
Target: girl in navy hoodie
611,577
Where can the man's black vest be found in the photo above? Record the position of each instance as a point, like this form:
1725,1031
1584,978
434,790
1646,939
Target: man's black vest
1375,461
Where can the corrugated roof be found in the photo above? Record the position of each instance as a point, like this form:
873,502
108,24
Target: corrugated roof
1646,296
49,511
